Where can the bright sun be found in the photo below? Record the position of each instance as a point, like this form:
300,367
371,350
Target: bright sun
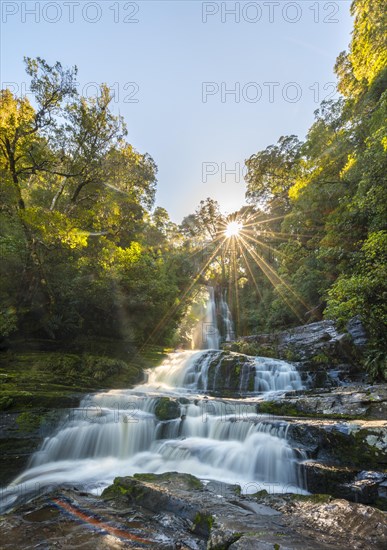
233,229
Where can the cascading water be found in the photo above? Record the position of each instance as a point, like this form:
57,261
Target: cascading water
206,334
275,375
227,322
118,433
211,338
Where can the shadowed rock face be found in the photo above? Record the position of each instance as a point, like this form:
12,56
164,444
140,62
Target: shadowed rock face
172,510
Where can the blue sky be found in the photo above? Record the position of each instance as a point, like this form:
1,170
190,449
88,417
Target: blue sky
184,59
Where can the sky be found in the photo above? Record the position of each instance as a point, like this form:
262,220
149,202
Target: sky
202,85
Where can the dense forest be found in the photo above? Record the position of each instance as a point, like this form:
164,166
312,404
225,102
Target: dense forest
86,255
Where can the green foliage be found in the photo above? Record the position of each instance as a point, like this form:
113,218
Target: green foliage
363,291
326,204
84,255
376,364
8,322
54,379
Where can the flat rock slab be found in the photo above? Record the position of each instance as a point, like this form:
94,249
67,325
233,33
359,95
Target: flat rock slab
177,511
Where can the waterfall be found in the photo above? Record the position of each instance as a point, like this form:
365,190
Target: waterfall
118,433
211,339
274,375
227,322
206,334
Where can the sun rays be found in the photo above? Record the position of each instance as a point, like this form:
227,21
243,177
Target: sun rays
243,242
233,229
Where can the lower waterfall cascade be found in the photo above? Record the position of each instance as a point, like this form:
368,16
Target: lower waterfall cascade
118,433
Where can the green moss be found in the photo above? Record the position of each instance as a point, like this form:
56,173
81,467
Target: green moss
117,490
167,409
237,490
320,358
254,349
272,407
189,480
315,499
290,355
260,494
150,478
5,402
354,449
52,379
29,421
194,482
203,523
381,504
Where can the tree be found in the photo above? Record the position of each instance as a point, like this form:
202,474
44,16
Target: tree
270,173
82,234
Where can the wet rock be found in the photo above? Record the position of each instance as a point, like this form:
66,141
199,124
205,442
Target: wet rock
366,487
167,408
356,329
21,434
340,482
231,373
355,525
347,402
318,348
358,444
191,518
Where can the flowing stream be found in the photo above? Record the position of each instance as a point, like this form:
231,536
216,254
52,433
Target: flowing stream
118,433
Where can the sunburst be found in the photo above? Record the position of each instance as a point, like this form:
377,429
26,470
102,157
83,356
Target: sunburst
233,229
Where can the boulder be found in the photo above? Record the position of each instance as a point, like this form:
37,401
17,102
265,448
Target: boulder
167,408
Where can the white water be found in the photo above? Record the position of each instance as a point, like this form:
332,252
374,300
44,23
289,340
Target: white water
274,375
117,433
211,337
206,335
227,322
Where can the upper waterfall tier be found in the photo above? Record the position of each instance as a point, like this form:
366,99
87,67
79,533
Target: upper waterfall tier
216,371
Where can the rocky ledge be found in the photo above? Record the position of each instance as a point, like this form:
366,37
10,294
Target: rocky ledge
178,511
319,349
355,401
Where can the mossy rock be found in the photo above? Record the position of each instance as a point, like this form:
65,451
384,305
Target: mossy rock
151,492
224,374
6,402
127,488
29,421
365,448
184,401
55,379
318,498
184,481
203,523
275,408
167,409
